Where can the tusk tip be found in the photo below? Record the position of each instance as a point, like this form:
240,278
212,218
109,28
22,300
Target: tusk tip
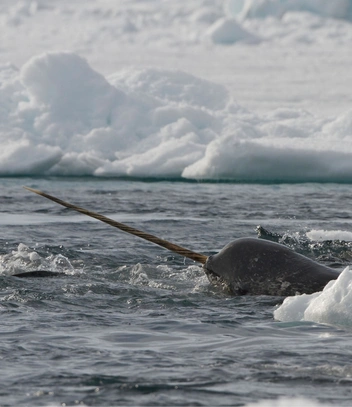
36,191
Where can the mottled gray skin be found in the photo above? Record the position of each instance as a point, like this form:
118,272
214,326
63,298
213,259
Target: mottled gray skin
260,267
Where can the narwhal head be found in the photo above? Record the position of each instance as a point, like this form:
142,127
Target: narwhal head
224,269
214,278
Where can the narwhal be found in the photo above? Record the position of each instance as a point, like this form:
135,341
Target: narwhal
245,266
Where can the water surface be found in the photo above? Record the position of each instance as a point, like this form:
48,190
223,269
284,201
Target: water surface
131,324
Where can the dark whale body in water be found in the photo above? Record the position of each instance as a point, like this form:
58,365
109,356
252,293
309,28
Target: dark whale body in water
260,267
245,266
38,273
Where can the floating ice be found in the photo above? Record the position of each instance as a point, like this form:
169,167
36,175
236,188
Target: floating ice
59,116
228,31
264,8
331,306
285,402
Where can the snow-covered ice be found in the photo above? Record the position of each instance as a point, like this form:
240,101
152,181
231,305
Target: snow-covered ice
59,116
240,90
277,8
330,306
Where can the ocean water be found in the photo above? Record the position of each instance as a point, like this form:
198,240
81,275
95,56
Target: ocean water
253,94
129,324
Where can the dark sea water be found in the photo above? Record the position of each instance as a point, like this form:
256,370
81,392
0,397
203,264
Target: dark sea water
129,324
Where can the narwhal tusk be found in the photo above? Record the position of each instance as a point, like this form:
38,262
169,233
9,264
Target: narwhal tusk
201,258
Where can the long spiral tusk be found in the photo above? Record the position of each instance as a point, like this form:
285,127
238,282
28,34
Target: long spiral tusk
201,258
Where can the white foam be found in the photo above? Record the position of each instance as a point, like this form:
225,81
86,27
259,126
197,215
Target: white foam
322,235
25,259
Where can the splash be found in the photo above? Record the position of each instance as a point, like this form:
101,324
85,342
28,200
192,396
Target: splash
24,259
